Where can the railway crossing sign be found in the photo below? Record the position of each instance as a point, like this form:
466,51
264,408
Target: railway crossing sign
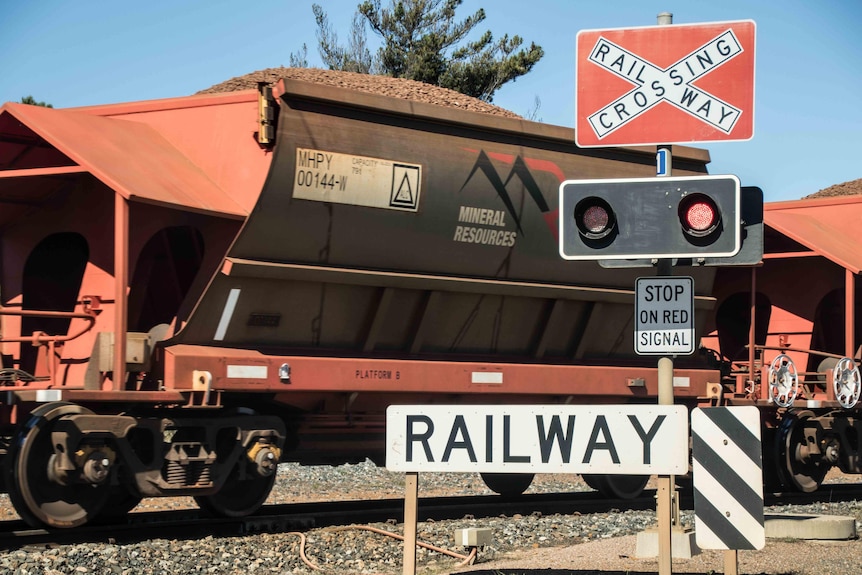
665,84
664,315
727,470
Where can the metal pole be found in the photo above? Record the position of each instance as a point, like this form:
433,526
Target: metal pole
664,507
664,503
665,487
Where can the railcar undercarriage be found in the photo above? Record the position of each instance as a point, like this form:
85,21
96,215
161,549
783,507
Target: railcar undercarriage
810,419
807,443
68,465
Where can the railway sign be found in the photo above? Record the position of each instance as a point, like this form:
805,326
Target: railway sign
665,84
727,468
608,439
664,316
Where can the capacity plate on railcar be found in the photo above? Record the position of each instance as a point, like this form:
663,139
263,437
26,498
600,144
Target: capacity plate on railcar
357,180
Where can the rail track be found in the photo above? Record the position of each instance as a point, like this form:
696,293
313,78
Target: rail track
191,524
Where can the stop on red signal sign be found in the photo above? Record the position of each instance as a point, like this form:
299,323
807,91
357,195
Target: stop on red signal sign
664,315
665,84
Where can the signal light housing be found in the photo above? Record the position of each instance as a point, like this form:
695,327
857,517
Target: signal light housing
699,216
596,221
653,218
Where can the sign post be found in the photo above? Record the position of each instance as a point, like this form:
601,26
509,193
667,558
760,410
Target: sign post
664,504
664,311
411,517
661,85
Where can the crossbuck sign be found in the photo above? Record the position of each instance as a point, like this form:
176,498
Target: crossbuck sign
665,84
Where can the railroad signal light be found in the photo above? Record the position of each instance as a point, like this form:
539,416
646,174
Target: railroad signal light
700,217
596,221
654,218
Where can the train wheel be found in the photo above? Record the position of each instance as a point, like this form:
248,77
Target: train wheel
34,491
507,484
617,486
798,471
238,497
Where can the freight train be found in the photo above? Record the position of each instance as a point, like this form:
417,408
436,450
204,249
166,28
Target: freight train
196,289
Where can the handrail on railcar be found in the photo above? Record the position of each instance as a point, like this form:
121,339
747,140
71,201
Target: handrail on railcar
91,308
91,305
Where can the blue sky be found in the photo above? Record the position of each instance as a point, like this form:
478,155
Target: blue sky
808,87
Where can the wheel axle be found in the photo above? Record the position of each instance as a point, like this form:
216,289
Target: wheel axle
96,468
265,458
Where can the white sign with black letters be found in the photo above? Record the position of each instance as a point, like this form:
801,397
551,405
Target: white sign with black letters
664,316
611,439
325,176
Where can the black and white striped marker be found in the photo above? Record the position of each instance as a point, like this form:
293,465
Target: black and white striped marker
728,478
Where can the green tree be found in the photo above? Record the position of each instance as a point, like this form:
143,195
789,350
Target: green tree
422,40
32,101
299,59
355,57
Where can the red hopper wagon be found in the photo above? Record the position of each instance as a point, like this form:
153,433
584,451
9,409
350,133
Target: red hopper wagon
195,289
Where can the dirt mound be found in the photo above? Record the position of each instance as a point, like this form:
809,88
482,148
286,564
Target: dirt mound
382,85
850,188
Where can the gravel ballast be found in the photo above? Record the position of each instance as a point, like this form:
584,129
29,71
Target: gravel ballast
549,544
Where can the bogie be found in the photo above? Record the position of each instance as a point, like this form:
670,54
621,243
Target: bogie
69,466
807,445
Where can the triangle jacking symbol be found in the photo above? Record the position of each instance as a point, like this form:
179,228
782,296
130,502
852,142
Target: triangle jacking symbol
404,195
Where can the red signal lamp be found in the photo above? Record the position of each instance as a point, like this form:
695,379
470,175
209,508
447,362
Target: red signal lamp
595,218
699,215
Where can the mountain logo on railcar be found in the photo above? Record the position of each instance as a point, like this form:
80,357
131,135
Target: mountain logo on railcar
520,169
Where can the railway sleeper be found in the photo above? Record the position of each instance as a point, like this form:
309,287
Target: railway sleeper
68,465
